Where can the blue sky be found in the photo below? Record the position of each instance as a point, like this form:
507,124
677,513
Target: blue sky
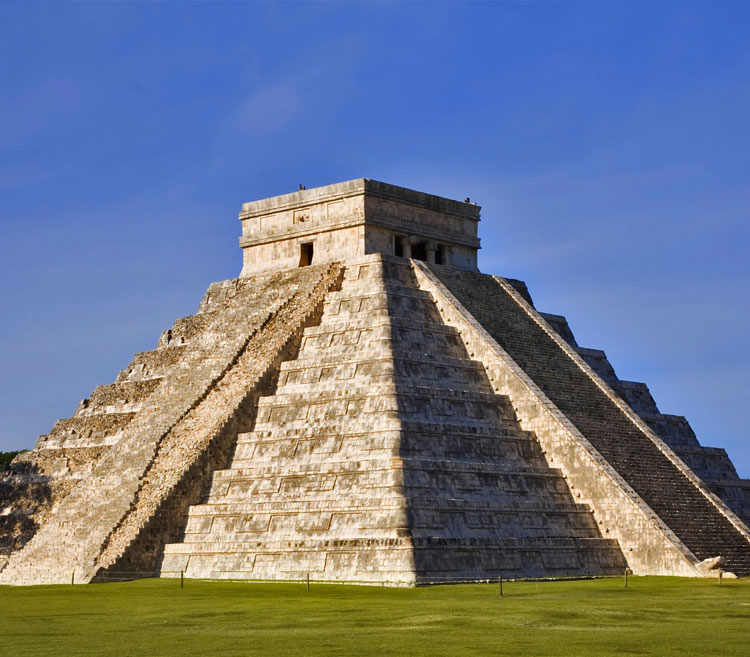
607,142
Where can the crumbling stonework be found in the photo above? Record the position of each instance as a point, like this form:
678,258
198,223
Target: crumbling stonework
102,500
363,405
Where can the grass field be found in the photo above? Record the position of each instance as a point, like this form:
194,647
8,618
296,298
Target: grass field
653,616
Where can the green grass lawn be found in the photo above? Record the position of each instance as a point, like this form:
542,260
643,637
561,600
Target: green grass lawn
653,616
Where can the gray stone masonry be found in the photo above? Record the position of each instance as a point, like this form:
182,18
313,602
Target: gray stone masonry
711,464
384,456
679,498
91,525
362,405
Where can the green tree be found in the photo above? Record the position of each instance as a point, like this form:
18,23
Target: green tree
7,457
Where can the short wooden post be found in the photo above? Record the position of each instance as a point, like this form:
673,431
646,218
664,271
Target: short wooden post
721,575
73,578
500,579
308,581
182,579
627,572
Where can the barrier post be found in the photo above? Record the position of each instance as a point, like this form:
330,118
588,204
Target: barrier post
182,579
308,581
73,578
500,579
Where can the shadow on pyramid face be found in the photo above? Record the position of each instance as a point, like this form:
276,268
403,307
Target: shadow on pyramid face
25,500
362,405
481,498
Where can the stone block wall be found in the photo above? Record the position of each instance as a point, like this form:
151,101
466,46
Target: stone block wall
375,421
384,456
77,525
353,218
711,464
674,496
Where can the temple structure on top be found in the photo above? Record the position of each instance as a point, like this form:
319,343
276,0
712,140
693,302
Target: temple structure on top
363,405
354,219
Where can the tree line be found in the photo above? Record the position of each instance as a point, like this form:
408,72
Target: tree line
7,457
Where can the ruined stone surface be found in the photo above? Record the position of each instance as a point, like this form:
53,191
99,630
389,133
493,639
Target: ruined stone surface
369,418
384,455
88,525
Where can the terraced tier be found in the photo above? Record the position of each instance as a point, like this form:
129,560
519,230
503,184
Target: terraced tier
168,421
385,449
687,510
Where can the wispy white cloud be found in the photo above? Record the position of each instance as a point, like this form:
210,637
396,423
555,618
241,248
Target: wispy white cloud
305,96
270,108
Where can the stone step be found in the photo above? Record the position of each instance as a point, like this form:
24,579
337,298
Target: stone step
123,397
152,364
353,524
44,462
428,404
258,289
250,546
394,303
703,528
372,287
390,437
353,346
437,559
87,430
465,376
395,500
406,393
364,321
400,354
502,480
390,488
292,467
384,422
509,448
195,328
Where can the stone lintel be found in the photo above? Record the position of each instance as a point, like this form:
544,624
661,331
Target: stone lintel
358,187
421,231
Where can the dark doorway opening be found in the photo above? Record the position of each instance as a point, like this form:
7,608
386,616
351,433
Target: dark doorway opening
419,251
440,255
398,247
305,254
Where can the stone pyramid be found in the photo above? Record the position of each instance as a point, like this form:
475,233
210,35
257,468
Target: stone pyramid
362,405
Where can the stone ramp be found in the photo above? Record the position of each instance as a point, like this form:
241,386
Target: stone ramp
385,456
711,464
203,439
79,531
701,522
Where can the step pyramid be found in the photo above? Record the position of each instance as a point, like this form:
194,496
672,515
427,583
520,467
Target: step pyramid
385,455
362,405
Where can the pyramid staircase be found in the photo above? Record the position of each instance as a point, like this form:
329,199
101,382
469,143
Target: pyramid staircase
384,455
698,519
101,488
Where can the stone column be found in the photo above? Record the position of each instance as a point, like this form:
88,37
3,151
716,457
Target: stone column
431,247
406,246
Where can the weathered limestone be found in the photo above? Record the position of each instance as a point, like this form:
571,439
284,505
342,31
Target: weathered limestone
384,456
362,405
194,413
711,464
677,502
354,218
